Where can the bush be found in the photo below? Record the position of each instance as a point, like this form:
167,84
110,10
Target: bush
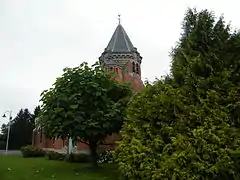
31,151
163,138
235,155
51,155
183,126
80,157
106,157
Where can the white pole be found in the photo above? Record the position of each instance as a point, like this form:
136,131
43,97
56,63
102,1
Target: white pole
9,127
70,145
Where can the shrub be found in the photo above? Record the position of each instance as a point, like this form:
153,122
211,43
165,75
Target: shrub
79,157
106,157
31,151
52,155
163,138
183,126
235,155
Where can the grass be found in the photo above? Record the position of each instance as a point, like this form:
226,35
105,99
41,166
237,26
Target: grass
18,168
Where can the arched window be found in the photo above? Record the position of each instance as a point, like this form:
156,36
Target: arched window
137,68
111,68
116,70
133,67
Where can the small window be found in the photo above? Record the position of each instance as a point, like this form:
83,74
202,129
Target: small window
133,67
137,68
116,70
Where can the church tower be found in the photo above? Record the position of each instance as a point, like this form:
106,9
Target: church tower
121,57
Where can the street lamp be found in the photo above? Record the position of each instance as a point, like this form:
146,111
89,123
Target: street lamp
9,125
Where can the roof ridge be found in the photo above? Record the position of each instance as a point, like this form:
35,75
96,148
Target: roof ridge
115,39
125,34
120,42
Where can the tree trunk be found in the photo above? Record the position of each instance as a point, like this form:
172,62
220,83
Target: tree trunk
94,155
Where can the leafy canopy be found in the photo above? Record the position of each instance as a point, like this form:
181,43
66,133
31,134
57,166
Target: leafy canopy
85,102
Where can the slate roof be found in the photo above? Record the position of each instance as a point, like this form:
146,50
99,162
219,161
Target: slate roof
120,42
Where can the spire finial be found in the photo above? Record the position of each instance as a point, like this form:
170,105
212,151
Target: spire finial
119,18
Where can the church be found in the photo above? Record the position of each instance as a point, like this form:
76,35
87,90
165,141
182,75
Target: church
121,57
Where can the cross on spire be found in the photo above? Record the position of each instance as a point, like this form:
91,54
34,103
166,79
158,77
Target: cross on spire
119,18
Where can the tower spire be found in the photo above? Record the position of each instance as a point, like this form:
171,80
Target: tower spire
119,19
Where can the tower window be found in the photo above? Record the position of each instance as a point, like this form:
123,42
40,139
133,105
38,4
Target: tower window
137,68
133,67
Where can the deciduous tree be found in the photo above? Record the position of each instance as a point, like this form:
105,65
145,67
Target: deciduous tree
86,103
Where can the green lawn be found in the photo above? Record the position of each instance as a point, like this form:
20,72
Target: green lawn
18,168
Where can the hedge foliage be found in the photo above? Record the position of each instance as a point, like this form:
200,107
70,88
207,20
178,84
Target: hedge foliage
31,151
52,155
106,157
186,126
80,157
74,157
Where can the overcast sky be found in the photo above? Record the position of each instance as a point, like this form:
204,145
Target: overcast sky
38,38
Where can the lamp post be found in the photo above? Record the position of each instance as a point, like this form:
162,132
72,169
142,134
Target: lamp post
9,126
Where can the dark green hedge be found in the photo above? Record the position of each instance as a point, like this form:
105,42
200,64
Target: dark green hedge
31,151
80,157
183,126
51,155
